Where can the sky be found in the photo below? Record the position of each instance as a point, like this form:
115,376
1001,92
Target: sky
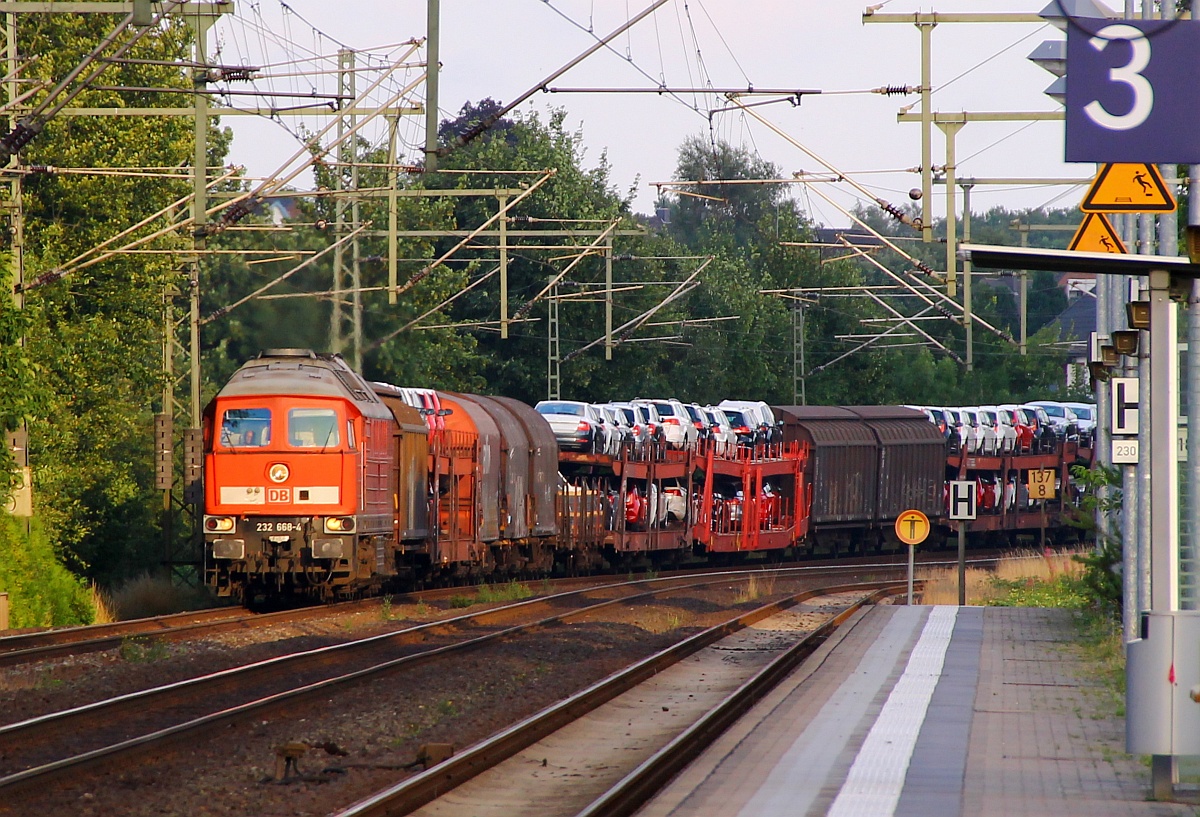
502,48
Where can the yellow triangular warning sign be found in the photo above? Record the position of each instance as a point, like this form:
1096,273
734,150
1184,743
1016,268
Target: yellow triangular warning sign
1128,188
1096,234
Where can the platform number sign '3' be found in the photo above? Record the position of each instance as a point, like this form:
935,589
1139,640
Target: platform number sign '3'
1130,87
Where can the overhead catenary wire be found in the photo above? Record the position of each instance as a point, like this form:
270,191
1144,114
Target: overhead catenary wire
627,329
81,261
524,308
240,206
59,97
501,213
487,122
439,307
225,310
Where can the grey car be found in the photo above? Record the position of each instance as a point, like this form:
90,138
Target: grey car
577,426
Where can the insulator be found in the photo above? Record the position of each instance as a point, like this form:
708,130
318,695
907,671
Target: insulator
892,210
19,137
896,90
236,74
239,211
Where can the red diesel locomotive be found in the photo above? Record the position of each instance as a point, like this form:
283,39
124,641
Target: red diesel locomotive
322,485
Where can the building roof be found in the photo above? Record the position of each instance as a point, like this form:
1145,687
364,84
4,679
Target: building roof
1078,321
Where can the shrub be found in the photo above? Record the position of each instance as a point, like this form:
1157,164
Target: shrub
149,595
41,591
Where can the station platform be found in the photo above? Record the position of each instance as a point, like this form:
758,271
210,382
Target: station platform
924,712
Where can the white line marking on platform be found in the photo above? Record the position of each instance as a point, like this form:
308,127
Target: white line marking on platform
873,786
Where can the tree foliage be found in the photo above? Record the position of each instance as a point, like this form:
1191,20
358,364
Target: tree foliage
88,378
91,369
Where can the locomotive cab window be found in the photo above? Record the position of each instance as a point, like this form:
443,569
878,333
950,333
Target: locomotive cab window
246,428
313,428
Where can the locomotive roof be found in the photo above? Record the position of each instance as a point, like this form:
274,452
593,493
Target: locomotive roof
302,372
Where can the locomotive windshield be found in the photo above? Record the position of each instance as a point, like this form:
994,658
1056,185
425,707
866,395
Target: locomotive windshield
312,428
246,428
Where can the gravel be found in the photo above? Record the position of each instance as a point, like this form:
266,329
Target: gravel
359,739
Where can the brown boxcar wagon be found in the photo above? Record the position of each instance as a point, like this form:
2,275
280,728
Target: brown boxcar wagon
867,464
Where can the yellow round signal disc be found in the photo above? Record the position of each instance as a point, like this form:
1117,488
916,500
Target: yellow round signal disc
912,527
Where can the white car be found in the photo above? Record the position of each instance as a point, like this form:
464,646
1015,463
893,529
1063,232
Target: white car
1065,423
981,438
1006,435
635,420
1085,414
677,424
765,419
959,425
618,424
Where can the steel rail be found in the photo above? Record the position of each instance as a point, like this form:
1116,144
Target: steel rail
639,786
17,649
54,643
73,718
427,786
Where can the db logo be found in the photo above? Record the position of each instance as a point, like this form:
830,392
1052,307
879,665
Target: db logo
279,495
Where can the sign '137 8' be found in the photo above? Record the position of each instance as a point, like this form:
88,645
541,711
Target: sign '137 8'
1132,87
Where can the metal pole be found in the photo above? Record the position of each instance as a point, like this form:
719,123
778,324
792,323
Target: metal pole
1147,454
1188,579
912,549
926,29
962,563
1164,550
502,225
1024,345
968,327
803,370
393,182
432,71
608,299
1129,532
951,130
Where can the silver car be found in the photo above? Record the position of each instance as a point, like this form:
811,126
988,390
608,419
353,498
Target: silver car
577,426
617,420
638,423
724,438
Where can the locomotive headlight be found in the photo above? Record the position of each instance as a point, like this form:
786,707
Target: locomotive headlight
339,524
218,524
278,472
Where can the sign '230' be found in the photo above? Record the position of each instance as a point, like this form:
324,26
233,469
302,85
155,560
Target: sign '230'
1130,85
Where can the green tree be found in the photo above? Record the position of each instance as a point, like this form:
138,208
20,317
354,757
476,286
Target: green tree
90,373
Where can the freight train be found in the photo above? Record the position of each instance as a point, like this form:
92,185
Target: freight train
319,484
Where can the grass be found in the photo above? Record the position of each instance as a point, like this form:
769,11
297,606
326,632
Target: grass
137,649
488,593
659,622
756,588
1025,579
105,612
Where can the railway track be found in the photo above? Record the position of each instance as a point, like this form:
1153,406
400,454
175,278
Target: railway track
57,643
49,749
606,750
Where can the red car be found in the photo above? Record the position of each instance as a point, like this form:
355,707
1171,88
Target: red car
1024,425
